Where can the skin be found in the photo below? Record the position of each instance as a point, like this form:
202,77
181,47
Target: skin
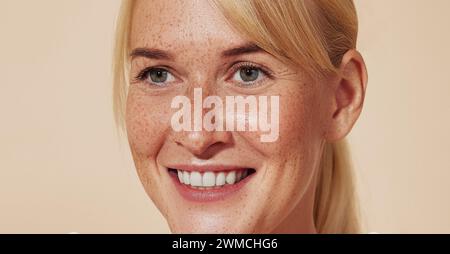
280,196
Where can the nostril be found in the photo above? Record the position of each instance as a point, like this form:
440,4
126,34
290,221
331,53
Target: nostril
203,144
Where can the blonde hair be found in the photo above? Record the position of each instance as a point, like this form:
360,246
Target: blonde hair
312,34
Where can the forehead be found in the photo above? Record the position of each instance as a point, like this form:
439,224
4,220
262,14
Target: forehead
180,23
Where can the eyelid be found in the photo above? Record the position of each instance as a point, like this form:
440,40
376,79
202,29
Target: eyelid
235,66
139,77
238,65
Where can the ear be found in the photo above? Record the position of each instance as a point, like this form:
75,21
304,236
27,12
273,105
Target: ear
348,95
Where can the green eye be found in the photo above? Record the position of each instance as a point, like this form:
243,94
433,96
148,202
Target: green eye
158,75
247,74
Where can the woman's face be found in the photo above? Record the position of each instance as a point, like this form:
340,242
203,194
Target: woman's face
230,180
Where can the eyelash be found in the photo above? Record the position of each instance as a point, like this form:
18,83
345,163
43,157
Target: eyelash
142,75
237,66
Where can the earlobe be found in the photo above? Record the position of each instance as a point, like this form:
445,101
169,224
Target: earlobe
349,94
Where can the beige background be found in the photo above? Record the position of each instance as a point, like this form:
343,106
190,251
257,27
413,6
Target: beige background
63,168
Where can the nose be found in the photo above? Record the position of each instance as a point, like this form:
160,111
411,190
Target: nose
203,144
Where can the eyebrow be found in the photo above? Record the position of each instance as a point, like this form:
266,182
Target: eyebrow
241,50
151,53
159,54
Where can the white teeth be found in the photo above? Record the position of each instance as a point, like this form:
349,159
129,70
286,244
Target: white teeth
220,179
186,178
231,177
196,179
180,176
209,179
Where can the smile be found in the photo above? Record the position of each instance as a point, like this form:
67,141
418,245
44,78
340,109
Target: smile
210,179
203,184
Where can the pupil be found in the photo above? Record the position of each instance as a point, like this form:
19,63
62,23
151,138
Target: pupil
158,76
249,74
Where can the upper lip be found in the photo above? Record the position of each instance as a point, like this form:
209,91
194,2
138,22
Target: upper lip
206,167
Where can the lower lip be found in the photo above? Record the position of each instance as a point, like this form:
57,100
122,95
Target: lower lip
211,195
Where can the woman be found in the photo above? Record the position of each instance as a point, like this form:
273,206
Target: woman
224,180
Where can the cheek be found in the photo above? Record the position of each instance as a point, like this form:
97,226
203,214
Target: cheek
300,139
295,156
147,120
299,122
296,151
